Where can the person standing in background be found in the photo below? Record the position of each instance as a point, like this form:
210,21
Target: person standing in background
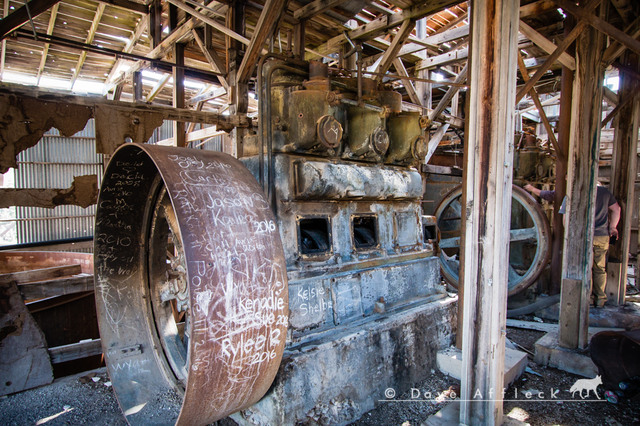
607,216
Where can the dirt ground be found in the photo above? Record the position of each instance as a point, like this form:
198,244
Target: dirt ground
89,399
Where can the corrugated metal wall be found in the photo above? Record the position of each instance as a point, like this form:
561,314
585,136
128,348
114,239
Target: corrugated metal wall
52,163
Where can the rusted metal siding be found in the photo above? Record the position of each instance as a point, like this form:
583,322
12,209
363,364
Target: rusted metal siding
53,163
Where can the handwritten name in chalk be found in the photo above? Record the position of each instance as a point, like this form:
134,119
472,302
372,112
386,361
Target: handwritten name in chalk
190,162
270,303
113,240
258,349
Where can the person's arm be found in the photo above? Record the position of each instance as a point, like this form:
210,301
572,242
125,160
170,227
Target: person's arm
545,195
532,189
614,218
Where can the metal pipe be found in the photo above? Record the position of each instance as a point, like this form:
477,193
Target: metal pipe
364,105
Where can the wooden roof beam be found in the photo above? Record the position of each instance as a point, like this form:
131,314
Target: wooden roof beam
547,45
601,25
158,87
20,17
408,84
128,48
570,38
382,24
3,51
212,57
265,28
45,50
314,8
615,49
215,24
401,36
90,36
128,5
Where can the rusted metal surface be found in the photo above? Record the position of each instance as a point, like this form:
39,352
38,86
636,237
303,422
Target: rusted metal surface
324,180
13,261
24,360
191,285
530,239
407,143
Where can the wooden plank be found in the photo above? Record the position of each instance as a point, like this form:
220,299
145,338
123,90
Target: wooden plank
178,94
380,25
444,101
538,104
45,50
128,48
128,5
56,287
215,24
75,351
615,49
550,327
623,170
485,241
586,113
89,40
40,274
601,25
168,113
20,16
3,50
314,8
265,28
435,141
212,57
401,36
547,45
443,59
158,87
408,84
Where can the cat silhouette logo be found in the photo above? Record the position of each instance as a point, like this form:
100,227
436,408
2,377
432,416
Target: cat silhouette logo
586,385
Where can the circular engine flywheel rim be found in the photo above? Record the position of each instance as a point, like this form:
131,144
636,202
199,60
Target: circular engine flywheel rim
191,286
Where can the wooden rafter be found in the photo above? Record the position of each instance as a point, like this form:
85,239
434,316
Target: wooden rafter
601,25
89,40
382,24
158,87
570,38
461,78
215,24
128,48
45,50
408,84
315,8
264,30
399,39
547,45
214,60
536,100
5,12
21,16
615,49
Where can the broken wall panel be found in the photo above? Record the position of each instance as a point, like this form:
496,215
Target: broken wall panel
24,120
53,163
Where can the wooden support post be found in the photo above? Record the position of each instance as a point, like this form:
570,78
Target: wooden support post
298,39
137,86
564,127
155,22
178,94
488,174
581,188
623,176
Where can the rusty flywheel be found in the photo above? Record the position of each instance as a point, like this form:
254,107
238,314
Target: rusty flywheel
191,285
529,247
